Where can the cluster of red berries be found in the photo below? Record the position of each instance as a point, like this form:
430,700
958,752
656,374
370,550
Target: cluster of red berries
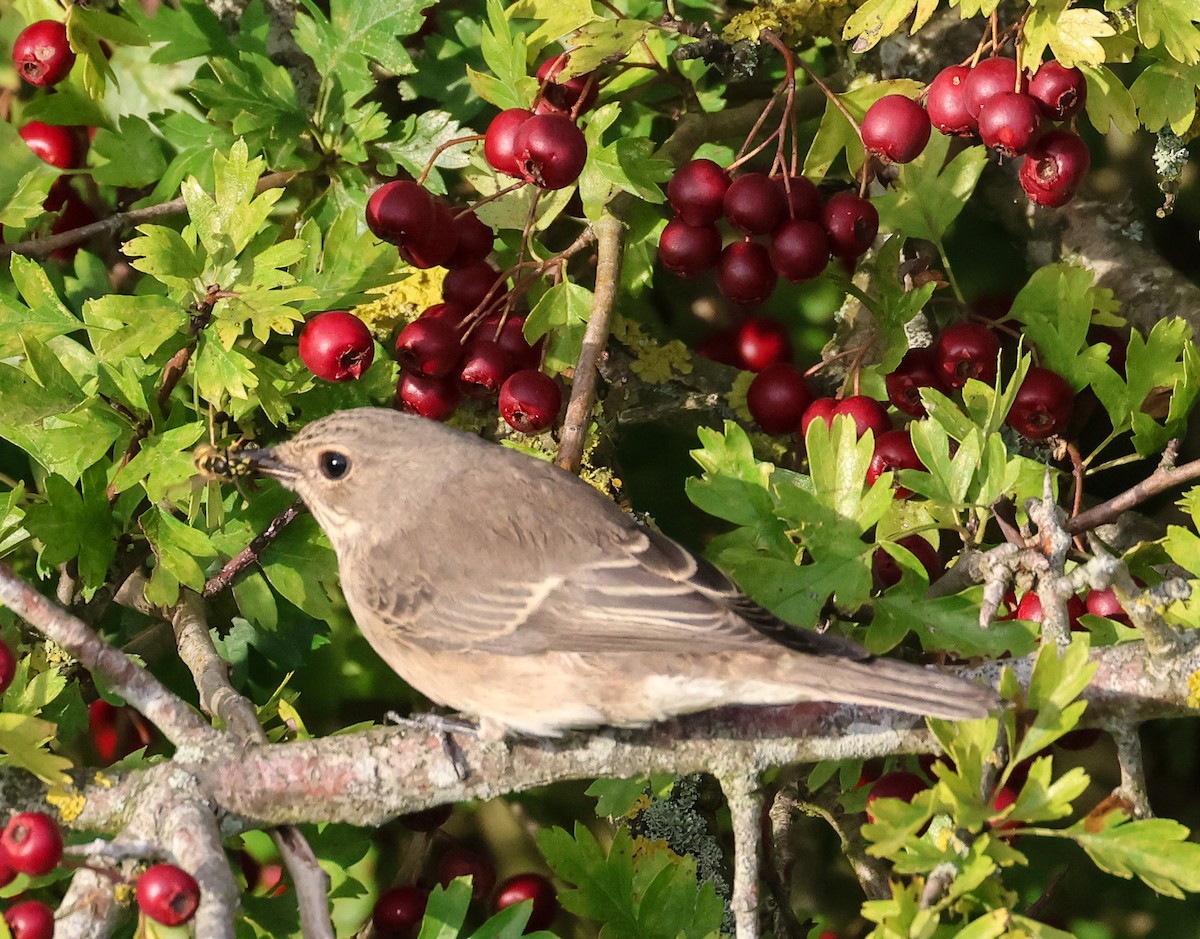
1006,111
399,910
801,230
543,146
32,844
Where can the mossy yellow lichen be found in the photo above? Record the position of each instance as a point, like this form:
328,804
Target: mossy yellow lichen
1193,698
402,302
654,362
68,800
794,20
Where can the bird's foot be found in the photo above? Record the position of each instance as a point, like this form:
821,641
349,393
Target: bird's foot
444,728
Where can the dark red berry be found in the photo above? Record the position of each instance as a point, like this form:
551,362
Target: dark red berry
33,843
821,409
468,287
475,240
57,145
966,350
946,102
851,223
886,571
434,398
8,666
752,204
42,53
722,346
688,250
916,370
799,250
168,895
73,213
459,862
893,451
895,129
30,919
446,312
697,192
800,197
550,151
1008,122
532,887
500,141
989,78
762,341
1054,167
399,210
576,94
336,346
778,397
1042,406
1004,797
745,274
895,785
868,414
434,246
398,912
510,336
8,873
1030,608
428,347
1060,91
485,367
427,819
1105,603
529,401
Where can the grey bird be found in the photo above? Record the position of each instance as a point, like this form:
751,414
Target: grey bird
512,591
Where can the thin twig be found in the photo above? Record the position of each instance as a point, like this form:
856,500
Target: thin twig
1158,481
222,579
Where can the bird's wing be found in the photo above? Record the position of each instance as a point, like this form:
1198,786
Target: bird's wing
649,594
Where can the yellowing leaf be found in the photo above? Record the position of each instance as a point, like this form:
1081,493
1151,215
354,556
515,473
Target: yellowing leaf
1072,34
1173,23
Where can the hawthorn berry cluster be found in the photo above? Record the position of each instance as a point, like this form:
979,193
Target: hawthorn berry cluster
1007,111
399,910
800,230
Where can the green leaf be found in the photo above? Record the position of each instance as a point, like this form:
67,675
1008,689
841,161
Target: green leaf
164,463
1173,24
121,327
1165,95
418,137
1154,850
562,312
178,547
222,373
1072,33
361,30
165,255
343,264
131,155
23,743
25,181
1109,102
303,568
1042,799
602,43
73,524
733,484
504,51
931,193
43,318
446,910
625,165
1055,684
558,17
878,19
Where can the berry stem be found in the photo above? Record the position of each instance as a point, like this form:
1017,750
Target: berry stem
441,148
834,99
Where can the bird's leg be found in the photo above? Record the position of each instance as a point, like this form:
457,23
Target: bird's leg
745,809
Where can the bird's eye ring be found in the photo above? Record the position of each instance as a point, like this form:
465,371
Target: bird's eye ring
333,464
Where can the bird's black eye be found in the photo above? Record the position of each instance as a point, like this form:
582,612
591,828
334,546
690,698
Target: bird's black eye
334,464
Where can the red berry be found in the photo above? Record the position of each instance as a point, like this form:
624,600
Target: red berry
762,341
468,287
895,785
434,246
427,819
434,398
399,210
500,141
800,197
510,336
1030,608
946,102
428,347
752,204
745,274
821,409
886,571
1105,603
1060,91
42,54
459,862
168,895
1004,797
447,313
895,129
966,350
33,843
8,666
1008,122
1042,406
475,241
893,451
8,873
851,223
722,346
688,250
778,397
916,370
697,192
398,912
576,94
529,401
550,151
989,78
1118,345
30,919
485,366
57,145
533,887
1054,167
336,346
868,414
799,250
